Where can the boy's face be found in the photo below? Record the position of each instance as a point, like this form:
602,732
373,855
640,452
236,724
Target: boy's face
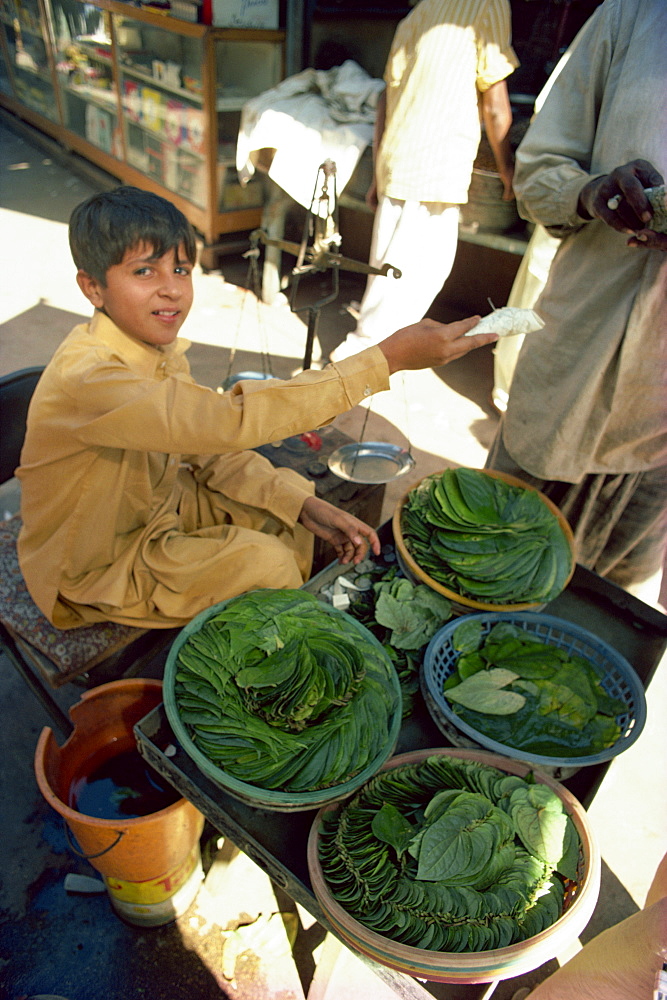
148,297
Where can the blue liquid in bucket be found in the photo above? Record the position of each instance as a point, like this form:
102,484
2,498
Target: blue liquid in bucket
123,786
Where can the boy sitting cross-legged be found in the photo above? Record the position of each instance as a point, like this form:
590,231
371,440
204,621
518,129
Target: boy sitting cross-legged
142,499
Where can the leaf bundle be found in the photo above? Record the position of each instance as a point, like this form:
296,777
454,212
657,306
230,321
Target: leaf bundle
282,693
403,617
486,539
450,855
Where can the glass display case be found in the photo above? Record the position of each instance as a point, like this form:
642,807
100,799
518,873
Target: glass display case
153,100
243,69
85,75
164,122
26,73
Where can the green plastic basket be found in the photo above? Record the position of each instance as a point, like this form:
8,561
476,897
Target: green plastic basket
264,798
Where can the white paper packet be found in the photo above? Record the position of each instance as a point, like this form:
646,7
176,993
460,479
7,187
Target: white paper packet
508,322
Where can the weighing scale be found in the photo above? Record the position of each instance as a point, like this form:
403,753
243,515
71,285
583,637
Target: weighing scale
319,251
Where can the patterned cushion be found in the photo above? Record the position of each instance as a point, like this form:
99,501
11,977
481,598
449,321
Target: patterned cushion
73,651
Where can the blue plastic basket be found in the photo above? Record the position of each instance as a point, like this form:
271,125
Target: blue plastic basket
620,681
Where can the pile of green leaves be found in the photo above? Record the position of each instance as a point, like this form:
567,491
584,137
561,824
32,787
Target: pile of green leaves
282,693
450,855
404,617
530,695
485,539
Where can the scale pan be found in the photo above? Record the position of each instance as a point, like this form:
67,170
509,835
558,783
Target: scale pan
370,462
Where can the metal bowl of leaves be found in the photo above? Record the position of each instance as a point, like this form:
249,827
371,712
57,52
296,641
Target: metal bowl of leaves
456,866
533,687
485,540
283,701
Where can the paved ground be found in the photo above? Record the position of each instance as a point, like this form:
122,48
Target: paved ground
52,942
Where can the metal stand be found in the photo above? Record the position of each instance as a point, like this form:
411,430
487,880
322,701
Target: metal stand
322,254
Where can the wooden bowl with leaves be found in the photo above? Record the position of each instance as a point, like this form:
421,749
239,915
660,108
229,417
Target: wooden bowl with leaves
394,877
485,540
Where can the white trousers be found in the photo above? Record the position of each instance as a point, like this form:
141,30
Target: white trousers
528,284
419,238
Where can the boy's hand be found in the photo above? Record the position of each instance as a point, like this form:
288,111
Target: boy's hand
349,536
428,344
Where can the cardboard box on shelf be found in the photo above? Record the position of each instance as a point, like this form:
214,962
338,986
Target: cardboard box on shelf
155,150
193,139
132,100
191,177
152,109
99,128
175,125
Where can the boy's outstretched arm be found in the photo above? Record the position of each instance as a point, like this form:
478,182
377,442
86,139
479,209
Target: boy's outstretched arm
349,536
429,344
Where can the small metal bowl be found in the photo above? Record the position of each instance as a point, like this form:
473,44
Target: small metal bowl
370,462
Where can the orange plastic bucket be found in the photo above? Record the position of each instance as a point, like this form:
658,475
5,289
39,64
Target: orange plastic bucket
151,864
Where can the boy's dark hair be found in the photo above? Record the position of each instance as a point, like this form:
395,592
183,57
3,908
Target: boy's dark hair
103,227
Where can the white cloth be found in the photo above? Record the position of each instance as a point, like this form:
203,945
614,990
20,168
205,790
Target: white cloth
510,321
528,284
306,119
399,231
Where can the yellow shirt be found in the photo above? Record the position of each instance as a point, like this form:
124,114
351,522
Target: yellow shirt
140,500
443,53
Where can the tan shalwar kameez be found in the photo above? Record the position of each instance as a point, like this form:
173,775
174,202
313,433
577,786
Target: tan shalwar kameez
141,501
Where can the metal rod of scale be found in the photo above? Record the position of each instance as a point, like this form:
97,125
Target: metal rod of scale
319,251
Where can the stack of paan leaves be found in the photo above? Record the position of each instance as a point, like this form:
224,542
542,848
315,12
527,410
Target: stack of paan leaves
451,855
486,539
530,695
282,692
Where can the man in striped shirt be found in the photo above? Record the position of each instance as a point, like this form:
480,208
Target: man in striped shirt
447,68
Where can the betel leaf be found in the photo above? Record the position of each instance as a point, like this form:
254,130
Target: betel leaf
540,821
456,846
413,613
568,864
484,692
469,664
566,705
406,625
503,630
403,637
280,692
567,712
391,827
467,636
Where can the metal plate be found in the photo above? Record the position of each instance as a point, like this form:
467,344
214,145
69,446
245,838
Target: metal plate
370,462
